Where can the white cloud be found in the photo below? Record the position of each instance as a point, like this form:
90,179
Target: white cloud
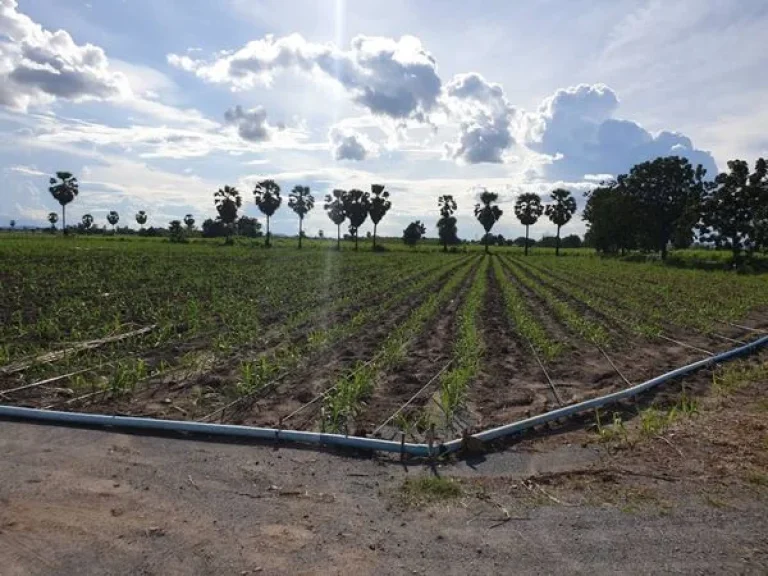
251,124
395,78
576,129
348,144
26,170
38,66
485,117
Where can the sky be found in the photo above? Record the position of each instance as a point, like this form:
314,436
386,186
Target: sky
154,105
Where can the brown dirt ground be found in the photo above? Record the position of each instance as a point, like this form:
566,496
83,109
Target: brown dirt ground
425,356
692,499
510,384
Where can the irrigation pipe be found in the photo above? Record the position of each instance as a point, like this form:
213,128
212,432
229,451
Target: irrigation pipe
371,444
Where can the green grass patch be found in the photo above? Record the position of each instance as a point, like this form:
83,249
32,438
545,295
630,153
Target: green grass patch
428,489
730,378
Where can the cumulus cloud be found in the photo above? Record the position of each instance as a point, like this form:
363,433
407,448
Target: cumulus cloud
484,117
576,128
347,144
38,66
251,124
395,78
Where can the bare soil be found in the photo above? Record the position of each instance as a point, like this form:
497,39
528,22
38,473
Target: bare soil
425,357
691,500
511,385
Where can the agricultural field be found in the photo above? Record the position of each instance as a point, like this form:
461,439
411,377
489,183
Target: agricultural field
424,343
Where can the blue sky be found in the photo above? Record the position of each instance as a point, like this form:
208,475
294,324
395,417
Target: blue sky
156,104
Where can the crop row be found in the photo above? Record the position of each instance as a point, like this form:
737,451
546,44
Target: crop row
344,400
468,349
688,298
576,322
523,320
626,314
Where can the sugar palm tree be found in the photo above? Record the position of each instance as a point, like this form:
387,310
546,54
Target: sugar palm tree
87,222
189,221
380,205
53,218
561,211
334,206
487,213
141,218
446,225
228,201
267,197
356,206
113,218
64,188
301,202
528,209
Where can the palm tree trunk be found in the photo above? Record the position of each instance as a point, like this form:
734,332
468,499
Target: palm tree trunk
301,221
267,231
338,236
557,246
374,236
64,218
526,239
355,239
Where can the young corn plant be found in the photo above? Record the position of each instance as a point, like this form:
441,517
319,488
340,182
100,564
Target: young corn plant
586,329
347,395
521,316
594,298
469,346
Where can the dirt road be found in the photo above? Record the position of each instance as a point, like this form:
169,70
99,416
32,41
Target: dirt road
92,502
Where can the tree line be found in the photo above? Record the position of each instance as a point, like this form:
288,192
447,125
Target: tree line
659,203
667,202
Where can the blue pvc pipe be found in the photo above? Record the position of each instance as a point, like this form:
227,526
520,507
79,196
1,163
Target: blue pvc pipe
374,444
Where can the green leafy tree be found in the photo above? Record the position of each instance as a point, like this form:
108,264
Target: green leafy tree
248,227
113,218
528,210
487,213
667,192
87,222
176,232
446,225
301,202
189,222
267,197
141,218
356,206
571,241
228,201
561,211
522,242
64,189
414,232
733,210
334,206
612,218
380,205
53,218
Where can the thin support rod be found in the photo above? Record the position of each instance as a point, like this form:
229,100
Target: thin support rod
412,398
